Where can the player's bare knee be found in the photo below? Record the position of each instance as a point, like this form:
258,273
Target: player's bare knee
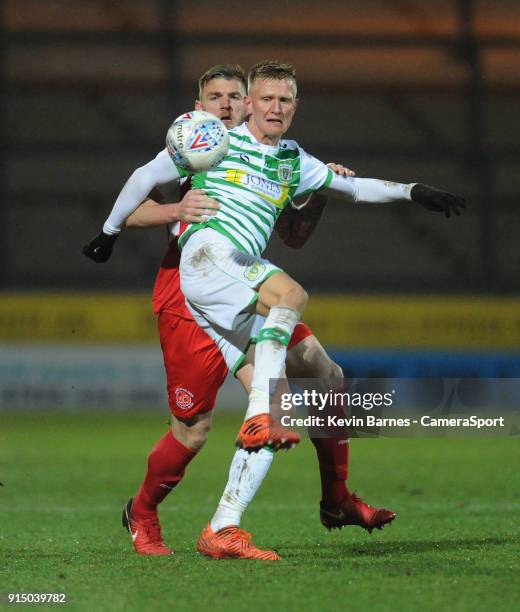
197,434
295,297
196,439
334,377
304,298
192,433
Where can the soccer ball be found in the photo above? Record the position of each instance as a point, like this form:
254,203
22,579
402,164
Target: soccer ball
197,141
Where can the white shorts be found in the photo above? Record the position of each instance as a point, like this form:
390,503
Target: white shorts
219,281
232,344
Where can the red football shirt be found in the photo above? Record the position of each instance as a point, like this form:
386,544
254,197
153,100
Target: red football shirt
167,294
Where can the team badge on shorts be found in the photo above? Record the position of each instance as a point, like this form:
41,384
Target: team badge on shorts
285,172
183,398
255,271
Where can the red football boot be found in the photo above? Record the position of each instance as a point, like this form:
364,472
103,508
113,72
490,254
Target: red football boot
262,430
354,511
146,533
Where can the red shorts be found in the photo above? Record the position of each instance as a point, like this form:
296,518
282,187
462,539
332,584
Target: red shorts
301,331
195,368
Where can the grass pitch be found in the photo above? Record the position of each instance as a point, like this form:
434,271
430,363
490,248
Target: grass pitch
453,546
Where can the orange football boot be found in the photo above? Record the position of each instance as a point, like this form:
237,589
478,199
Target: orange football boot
231,543
262,430
146,533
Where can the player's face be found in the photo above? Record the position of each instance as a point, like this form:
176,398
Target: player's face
272,104
225,99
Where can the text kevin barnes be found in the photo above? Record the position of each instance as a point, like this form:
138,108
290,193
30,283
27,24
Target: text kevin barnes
373,421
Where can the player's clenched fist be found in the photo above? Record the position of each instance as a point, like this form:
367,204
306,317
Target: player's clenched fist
196,206
100,248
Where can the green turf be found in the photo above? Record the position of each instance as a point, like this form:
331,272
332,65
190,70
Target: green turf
454,545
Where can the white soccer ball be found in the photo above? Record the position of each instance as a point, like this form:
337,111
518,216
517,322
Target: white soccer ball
197,141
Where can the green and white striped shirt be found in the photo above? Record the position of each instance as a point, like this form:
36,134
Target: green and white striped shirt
253,184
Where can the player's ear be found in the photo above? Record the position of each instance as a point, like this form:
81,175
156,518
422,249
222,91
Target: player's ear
296,104
198,105
247,104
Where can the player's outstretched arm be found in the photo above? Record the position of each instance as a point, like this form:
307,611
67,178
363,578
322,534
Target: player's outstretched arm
159,171
297,222
376,191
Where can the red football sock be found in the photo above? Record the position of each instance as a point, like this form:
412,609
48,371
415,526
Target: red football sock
333,457
166,464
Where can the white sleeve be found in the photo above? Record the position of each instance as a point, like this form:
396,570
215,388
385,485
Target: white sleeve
159,171
368,190
314,174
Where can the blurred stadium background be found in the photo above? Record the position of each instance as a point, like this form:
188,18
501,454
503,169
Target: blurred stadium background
399,89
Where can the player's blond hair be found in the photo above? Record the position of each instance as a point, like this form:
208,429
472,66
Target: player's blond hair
272,70
230,72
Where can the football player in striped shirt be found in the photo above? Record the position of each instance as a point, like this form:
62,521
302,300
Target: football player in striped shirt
222,272
188,352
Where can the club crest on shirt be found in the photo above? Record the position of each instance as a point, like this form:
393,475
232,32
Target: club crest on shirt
183,398
285,172
254,271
